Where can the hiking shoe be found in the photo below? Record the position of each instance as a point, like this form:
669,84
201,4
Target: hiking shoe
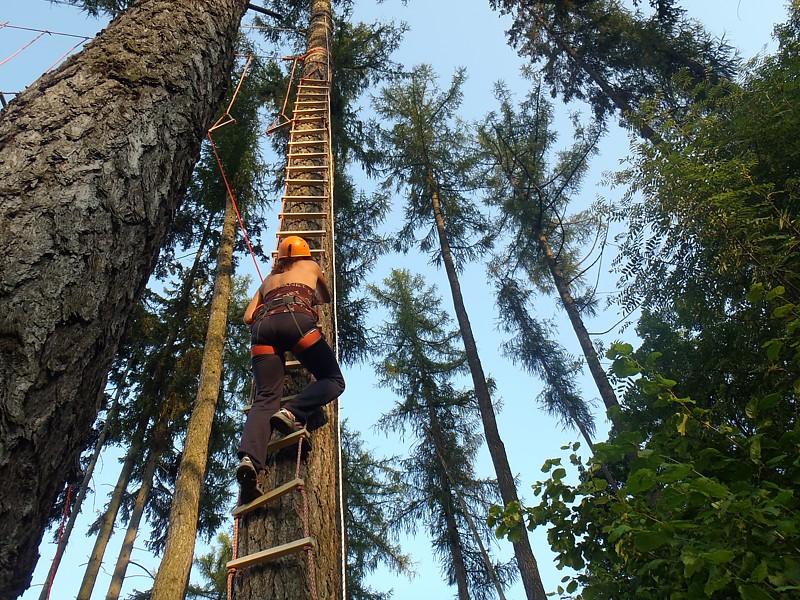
246,475
284,422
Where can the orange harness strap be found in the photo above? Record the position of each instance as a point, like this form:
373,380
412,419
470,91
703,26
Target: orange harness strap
308,340
262,349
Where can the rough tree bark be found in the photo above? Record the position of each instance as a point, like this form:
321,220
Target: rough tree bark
94,160
173,573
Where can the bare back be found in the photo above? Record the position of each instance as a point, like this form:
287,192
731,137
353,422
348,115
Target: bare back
307,272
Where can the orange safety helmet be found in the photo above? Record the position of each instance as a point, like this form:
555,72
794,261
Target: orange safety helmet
293,246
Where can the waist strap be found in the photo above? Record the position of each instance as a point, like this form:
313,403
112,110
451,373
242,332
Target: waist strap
304,343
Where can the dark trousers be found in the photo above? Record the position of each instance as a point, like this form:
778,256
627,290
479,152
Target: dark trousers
283,330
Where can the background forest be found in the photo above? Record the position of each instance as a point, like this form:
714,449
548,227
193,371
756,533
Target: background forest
567,236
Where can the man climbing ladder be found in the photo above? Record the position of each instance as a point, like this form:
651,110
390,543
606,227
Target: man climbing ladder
282,317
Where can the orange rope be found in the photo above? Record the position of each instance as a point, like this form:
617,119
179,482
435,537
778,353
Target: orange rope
21,49
227,119
52,574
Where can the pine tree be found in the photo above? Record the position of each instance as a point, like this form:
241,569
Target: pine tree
428,160
419,362
534,197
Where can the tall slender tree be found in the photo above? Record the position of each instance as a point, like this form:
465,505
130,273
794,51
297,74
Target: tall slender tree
535,198
94,158
426,159
418,359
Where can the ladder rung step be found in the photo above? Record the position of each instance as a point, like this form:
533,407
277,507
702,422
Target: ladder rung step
288,440
272,553
291,198
309,118
302,215
307,155
309,111
306,143
269,496
306,167
307,233
306,82
306,182
315,102
309,96
313,131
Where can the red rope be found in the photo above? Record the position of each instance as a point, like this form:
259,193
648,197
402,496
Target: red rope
52,574
235,208
227,118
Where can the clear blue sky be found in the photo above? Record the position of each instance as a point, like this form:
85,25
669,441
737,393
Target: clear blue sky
447,34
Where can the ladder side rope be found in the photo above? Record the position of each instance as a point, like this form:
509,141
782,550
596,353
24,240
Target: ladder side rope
339,435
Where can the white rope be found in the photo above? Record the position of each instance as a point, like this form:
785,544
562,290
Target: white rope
342,526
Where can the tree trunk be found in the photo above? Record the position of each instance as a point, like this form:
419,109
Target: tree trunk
529,570
598,374
173,573
76,508
110,516
453,535
94,161
124,558
320,573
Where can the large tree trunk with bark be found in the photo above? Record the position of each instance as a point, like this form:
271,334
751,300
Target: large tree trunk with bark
173,573
526,562
317,574
94,160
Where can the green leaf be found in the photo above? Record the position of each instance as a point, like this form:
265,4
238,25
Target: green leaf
720,556
755,449
773,348
755,293
709,487
776,292
683,423
752,592
783,311
624,367
646,541
641,481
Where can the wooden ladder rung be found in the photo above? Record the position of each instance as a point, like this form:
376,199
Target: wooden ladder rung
314,102
272,553
290,198
307,155
313,131
304,143
302,233
268,497
288,440
306,168
302,215
306,182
